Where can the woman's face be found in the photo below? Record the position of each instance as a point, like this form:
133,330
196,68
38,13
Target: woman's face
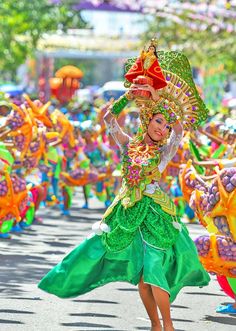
87,135
151,49
4,110
231,138
158,128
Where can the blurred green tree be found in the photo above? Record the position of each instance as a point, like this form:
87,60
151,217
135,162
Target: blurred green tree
207,41
22,24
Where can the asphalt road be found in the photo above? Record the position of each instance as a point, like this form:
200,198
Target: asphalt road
116,307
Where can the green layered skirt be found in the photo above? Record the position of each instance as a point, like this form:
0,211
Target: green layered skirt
170,264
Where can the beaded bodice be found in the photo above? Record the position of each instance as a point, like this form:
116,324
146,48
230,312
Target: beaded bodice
142,166
139,168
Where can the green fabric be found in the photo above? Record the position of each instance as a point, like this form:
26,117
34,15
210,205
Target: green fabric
194,150
84,164
58,168
100,192
218,152
181,208
52,154
69,191
6,226
232,283
29,217
156,225
204,150
6,156
90,265
87,188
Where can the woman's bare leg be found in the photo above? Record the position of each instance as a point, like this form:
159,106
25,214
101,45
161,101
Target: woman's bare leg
85,196
66,198
41,195
145,292
163,302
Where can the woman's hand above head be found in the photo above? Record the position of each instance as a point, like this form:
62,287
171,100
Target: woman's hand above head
145,87
108,116
114,129
177,127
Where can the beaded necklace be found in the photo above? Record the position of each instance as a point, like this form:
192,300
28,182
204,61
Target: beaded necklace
137,157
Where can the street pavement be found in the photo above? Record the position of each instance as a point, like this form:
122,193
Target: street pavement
117,307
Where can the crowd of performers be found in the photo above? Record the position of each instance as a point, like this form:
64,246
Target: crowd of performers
45,154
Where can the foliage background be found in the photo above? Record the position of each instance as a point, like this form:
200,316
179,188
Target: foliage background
22,24
208,39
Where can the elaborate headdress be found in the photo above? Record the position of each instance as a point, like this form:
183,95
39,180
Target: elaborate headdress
153,42
180,97
149,108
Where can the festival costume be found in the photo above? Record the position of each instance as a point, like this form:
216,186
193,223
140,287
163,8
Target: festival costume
146,240
98,154
214,202
140,234
6,219
24,132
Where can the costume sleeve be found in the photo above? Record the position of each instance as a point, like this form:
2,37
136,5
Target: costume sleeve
116,132
170,150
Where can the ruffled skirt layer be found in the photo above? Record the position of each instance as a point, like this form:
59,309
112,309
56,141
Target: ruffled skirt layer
91,265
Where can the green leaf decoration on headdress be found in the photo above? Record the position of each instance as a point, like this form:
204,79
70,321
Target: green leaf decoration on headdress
180,89
165,108
128,65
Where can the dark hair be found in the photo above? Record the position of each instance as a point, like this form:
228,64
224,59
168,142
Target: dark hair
155,50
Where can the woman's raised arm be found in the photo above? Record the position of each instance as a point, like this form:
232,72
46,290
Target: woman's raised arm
115,130
172,146
175,139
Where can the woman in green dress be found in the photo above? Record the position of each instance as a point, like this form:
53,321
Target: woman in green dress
140,239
